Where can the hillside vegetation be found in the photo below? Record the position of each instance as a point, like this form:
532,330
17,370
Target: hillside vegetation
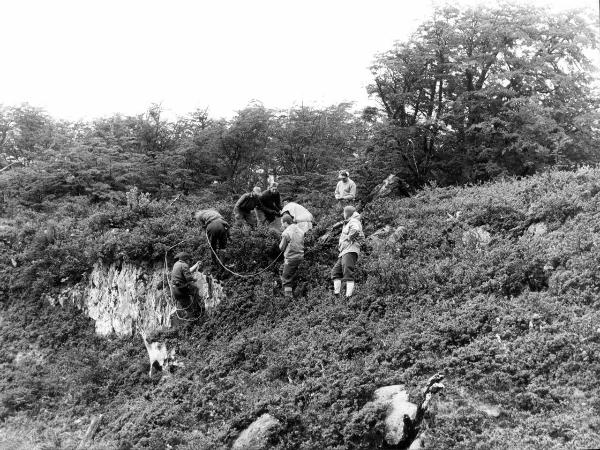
512,323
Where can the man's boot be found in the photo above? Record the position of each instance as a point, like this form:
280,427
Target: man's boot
337,288
349,288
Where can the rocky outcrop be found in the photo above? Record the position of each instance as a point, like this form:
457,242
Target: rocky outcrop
390,186
119,297
403,419
537,229
256,436
476,237
386,237
396,398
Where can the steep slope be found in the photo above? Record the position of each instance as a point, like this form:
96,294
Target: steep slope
496,286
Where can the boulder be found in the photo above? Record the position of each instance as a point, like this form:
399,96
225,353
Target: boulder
476,237
391,185
256,436
398,234
396,398
404,421
537,229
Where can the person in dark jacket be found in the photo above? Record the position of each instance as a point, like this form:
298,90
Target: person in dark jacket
183,285
270,208
217,230
244,210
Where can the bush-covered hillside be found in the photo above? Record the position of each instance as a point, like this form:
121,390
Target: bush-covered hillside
513,324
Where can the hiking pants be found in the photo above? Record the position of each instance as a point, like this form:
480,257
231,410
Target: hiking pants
184,296
290,272
344,267
217,234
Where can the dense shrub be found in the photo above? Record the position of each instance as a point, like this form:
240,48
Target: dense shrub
512,324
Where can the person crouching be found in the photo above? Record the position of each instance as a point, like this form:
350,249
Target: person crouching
292,244
183,285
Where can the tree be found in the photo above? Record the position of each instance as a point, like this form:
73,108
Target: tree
242,143
311,139
479,92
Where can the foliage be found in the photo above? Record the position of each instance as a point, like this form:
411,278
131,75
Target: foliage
485,91
511,324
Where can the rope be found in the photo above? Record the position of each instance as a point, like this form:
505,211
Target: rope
248,275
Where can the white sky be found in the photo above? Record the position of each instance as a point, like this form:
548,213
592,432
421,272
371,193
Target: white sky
92,58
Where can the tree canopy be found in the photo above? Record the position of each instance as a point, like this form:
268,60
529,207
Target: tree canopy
483,91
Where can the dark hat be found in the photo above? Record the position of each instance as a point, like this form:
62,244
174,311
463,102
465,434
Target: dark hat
182,255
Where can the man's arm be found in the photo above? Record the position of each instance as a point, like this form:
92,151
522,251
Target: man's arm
338,194
187,274
353,231
284,242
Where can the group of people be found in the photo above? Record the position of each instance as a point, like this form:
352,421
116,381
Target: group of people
290,219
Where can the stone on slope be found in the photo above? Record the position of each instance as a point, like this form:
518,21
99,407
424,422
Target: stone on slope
256,436
396,398
476,237
537,229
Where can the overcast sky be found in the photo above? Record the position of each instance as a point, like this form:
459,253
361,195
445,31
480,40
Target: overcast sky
92,58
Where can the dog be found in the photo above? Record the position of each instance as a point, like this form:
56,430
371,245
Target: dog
157,352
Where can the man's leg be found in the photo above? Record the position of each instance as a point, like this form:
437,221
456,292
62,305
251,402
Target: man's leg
336,275
260,217
251,219
288,275
348,268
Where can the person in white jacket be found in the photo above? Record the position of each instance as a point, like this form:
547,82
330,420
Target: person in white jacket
300,215
345,190
349,249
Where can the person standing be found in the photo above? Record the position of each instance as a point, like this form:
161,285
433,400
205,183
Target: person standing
300,215
349,249
183,285
217,230
345,190
270,208
244,209
292,246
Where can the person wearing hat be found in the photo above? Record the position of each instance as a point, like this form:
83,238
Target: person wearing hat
270,208
300,215
345,191
183,285
292,246
349,249
217,230
244,209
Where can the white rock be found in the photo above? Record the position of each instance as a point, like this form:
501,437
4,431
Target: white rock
537,229
256,436
477,237
397,398
117,297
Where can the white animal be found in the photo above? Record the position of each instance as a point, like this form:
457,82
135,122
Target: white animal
157,352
